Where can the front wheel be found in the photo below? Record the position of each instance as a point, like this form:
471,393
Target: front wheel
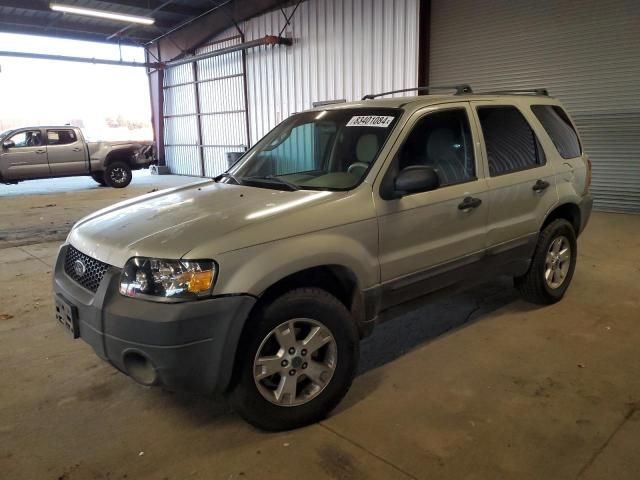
297,361
552,265
117,174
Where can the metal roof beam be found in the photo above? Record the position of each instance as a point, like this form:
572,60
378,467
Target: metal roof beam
65,58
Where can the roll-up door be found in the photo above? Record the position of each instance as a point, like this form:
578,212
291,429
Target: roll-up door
585,53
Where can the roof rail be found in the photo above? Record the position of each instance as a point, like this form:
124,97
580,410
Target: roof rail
460,90
524,91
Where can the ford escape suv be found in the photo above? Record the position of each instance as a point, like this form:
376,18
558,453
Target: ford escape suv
261,282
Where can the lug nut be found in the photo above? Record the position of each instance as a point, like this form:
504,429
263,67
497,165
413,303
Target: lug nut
292,351
304,351
284,363
292,372
304,365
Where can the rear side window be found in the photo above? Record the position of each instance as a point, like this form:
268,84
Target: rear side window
556,123
61,137
510,141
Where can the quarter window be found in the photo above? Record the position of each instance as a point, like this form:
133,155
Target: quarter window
441,140
510,141
61,137
557,124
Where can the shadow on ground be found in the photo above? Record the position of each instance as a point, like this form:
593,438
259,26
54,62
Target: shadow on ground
389,341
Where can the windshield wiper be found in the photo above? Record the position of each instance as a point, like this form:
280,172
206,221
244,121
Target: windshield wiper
273,179
228,175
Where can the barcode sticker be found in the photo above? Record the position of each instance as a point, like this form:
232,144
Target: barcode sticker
370,121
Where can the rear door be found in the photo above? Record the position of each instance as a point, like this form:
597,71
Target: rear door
27,156
521,180
66,152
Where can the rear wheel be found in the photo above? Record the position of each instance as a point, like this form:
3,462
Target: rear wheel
297,361
117,174
552,265
99,178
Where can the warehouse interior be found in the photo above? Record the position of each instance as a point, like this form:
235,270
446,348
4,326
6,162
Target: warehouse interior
474,384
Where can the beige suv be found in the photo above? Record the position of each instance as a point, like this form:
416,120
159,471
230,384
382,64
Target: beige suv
260,283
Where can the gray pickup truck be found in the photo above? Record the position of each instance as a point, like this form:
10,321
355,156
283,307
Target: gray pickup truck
61,151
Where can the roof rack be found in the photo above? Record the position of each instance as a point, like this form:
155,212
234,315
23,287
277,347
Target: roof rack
460,90
524,91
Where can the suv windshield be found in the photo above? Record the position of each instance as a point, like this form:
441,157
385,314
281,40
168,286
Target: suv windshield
320,150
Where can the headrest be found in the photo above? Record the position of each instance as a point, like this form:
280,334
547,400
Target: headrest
367,148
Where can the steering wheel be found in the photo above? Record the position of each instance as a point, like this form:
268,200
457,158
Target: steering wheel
356,165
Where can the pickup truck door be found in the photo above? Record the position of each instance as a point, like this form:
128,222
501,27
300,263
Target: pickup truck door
67,153
25,157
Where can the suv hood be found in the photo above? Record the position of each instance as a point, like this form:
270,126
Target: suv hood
214,217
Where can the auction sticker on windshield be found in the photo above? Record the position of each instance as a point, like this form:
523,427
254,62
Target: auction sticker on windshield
370,121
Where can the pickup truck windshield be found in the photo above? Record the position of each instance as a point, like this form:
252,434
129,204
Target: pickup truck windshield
320,150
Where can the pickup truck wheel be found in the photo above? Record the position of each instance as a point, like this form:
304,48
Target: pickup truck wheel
117,174
297,361
99,178
552,265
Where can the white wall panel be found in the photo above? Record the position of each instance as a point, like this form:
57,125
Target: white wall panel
586,53
342,49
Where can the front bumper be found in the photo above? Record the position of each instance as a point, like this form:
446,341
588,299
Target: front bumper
190,346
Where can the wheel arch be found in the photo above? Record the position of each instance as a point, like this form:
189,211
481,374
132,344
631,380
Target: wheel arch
569,211
338,280
120,155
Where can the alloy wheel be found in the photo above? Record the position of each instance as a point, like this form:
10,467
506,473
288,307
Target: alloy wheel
557,262
295,362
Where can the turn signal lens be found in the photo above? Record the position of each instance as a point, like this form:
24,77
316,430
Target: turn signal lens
198,282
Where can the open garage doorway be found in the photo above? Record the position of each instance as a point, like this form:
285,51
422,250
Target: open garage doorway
107,102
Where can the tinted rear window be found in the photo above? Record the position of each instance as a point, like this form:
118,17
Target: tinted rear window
556,122
511,144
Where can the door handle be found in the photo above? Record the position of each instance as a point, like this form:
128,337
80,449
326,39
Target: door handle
77,149
41,151
540,186
469,202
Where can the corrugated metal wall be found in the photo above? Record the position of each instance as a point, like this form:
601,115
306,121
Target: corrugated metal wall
223,115
586,53
342,49
205,112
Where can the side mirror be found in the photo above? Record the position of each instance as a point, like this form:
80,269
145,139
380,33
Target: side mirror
8,144
414,179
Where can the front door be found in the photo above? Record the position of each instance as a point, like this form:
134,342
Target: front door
67,154
24,156
427,238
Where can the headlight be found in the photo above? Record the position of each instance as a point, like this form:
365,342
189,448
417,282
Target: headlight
167,280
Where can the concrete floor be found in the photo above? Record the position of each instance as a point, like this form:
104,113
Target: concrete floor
481,385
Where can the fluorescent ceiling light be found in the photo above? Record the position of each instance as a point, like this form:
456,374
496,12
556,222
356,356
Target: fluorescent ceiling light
101,14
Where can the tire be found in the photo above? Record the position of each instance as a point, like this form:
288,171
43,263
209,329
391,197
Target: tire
534,285
98,177
117,174
256,401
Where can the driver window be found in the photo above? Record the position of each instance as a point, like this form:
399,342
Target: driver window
441,140
29,138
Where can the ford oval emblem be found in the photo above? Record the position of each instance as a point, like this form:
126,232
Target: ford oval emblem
79,268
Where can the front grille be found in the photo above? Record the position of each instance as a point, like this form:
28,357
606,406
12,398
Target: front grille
93,272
